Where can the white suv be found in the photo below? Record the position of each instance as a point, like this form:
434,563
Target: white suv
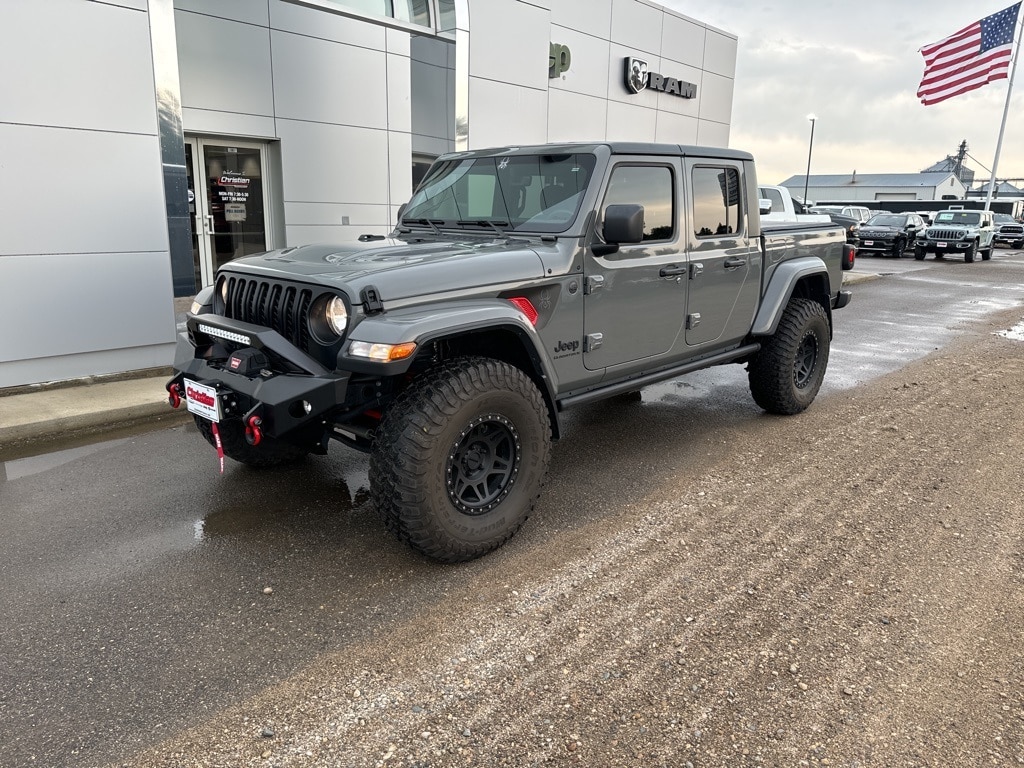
957,231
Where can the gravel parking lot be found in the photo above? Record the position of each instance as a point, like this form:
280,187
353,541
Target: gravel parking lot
841,588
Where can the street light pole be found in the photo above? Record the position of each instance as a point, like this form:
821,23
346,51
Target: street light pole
810,149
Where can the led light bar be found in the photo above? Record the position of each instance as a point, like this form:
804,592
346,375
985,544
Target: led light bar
209,330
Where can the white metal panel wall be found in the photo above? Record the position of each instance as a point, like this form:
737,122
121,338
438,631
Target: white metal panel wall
334,91
85,282
589,101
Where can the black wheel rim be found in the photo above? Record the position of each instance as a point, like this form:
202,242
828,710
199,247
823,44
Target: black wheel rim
482,464
806,358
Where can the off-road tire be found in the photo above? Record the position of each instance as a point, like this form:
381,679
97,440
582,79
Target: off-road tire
1017,245
459,458
986,253
269,452
919,254
786,374
969,253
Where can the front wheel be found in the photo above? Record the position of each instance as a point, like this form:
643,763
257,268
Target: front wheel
969,253
786,374
898,247
459,458
919,254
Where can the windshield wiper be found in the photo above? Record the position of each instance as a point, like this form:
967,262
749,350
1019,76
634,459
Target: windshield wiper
432,223
495,225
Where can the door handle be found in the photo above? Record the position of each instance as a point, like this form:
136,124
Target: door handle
734,262
209,224
672,270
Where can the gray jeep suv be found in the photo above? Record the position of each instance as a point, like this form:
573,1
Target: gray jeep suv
958,231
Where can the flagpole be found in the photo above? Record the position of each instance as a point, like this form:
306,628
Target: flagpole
1006,112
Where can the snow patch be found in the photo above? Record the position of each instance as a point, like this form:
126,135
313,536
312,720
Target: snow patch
1016,333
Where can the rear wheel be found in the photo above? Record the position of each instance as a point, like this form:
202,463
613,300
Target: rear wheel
459,458
268,453
787,372
986,253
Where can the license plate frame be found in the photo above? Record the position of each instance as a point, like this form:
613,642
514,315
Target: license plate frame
942,245
869,242
203,400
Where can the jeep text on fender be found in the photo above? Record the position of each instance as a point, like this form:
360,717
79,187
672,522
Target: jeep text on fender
519,282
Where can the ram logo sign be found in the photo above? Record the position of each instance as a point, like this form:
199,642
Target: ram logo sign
639,77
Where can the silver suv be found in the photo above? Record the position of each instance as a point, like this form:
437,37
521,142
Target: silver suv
958,231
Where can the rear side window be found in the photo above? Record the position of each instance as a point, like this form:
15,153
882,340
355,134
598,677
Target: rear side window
651,187
716,202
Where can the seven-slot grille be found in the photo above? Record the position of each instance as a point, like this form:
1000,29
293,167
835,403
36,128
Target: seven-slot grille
273,305
945,234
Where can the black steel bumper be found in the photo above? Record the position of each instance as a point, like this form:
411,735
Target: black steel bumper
293,395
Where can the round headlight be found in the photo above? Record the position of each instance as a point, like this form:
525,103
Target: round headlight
337,315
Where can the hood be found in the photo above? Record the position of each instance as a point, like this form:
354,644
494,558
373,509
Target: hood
398,268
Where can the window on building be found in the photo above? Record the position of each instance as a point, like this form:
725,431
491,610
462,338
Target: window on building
716,202
410,11
651,187
420,165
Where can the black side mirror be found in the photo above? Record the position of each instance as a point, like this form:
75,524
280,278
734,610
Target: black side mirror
624,224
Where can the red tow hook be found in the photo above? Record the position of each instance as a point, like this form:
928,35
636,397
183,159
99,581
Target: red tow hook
174,395
253,433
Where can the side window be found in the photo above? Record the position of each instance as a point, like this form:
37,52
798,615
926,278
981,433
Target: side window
776,197
716,202
651,187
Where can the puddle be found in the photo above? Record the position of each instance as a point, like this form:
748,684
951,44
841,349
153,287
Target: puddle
33,465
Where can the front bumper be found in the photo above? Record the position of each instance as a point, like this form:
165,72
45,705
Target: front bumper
879,244
945,246
293,396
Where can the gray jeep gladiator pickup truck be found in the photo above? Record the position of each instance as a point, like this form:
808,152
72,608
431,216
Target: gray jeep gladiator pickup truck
518,282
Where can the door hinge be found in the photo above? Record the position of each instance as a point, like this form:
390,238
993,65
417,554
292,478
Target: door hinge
692,321
696,269
593,283
592,341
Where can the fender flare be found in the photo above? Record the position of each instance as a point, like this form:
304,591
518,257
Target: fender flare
784,281
448,320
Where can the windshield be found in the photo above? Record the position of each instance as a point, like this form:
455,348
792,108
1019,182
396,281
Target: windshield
826,209
1004,218
964,218
887,220
523,193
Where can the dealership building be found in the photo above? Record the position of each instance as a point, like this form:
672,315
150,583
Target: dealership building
144,143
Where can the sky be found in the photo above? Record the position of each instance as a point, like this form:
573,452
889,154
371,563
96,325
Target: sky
856,66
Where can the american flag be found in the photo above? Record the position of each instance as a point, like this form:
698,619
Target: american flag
970,58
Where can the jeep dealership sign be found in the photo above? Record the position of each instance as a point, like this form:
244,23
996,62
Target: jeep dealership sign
638,77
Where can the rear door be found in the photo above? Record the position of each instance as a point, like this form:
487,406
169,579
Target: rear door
725,264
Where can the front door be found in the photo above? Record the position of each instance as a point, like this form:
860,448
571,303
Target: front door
636,297
227,207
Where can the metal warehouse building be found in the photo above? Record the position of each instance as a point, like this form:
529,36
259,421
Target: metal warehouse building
143,143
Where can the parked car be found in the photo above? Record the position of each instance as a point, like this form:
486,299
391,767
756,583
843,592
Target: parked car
1008,230
890,233
858,212
958,231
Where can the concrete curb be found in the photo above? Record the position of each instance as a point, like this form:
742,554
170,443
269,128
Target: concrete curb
34,420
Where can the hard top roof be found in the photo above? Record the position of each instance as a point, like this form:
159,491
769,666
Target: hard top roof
615,147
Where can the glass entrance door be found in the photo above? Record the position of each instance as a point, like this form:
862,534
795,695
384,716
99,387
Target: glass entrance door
228,204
